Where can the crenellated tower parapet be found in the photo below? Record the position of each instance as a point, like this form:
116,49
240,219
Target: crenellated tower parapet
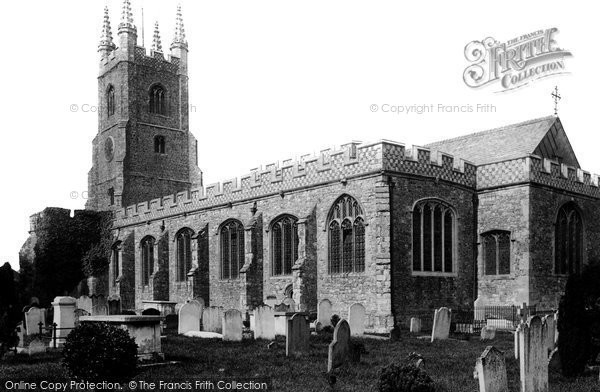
338,165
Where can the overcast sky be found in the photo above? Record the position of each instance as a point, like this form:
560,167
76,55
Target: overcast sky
272,80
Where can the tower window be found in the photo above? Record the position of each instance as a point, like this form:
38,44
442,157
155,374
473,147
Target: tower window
158,104
496,252
284,245
184,254
568,241
159,144
433,237
232,249
110,100
346,236
147,246
116,251
111,196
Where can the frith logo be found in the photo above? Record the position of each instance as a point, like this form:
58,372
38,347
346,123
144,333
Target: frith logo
514,63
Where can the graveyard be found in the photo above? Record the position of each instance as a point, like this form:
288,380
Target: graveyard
295,351
449,362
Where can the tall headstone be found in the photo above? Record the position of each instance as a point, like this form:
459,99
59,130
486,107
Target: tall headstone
297,336
339,348
32,319
264,323
232,326
550,329
356,319
491,371
517,340
189,317
533,356
324,313
84,302
441,324
415,325
64,318
21,334
212,319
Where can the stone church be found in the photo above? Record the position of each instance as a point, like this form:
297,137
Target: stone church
503,215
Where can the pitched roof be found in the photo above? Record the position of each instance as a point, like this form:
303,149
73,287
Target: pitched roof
542,136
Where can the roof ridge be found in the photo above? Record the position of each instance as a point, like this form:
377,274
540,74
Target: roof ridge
519,124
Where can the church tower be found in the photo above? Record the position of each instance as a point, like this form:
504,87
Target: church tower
143,149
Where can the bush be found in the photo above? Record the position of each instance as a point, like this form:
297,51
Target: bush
334,320
100,351
404,378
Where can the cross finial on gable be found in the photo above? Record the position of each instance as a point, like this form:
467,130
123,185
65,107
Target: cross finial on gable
557,98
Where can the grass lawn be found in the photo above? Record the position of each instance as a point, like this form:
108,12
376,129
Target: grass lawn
450,363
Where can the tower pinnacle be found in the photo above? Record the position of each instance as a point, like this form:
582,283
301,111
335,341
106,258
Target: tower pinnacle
156,42
126,16
106,39
179,38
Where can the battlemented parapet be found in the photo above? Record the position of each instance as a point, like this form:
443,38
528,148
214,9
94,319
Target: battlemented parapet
332,165
538,170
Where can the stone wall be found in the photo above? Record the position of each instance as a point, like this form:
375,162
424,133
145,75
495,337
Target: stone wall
505,209
415,293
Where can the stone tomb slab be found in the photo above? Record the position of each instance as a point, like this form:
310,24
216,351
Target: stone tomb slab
144,329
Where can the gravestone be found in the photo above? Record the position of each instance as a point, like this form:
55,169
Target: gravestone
479,307
189,318
84,302
533,357
550,329
32,319
356,319
441,324
488,333
297,336
324,313
36,346
491,371
232,326
415,325
264,323
339,348
290,303
212,319
271,301
64,318
21,334
516,338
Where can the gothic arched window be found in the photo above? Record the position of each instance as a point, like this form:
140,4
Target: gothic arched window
232,249
184,253
159,144
147,251
110,100
496,252
284,244
568,240
116,261
433,237
346,236
158,100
